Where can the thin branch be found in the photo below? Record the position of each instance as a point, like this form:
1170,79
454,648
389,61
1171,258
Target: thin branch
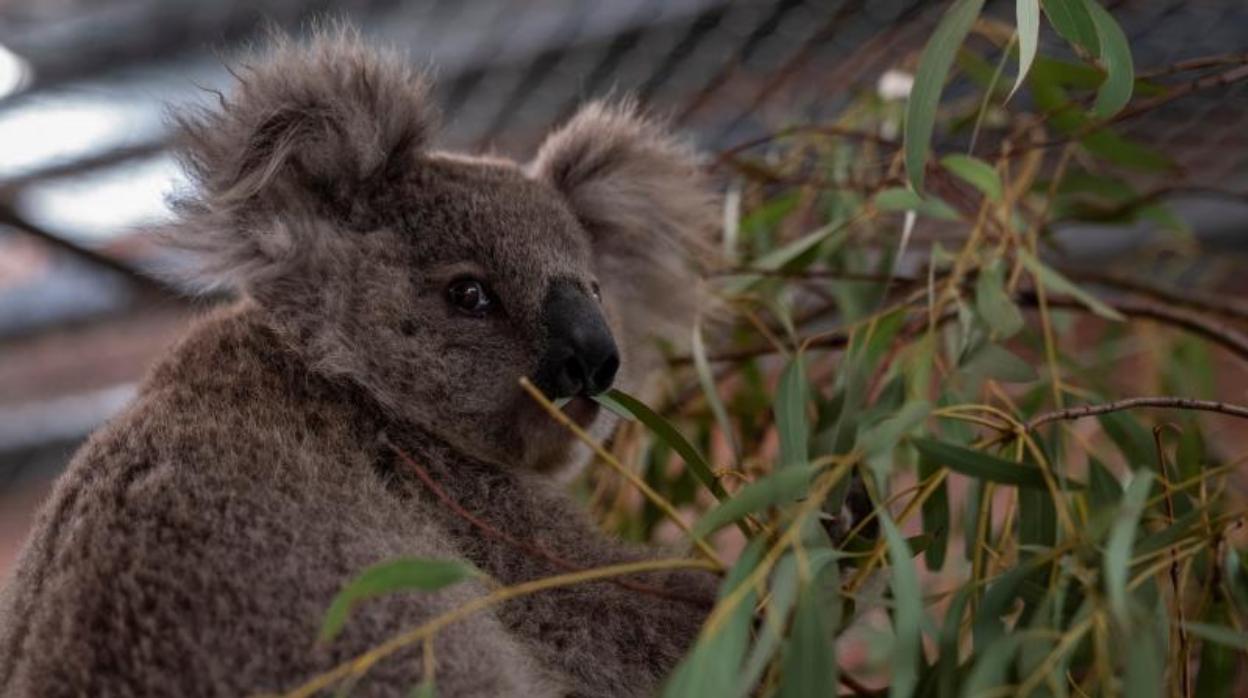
1230,339
1223,79
1178,403
1190,64
1223,307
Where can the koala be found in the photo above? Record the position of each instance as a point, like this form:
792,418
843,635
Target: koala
390,297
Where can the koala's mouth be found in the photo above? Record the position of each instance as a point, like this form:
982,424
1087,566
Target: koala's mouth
582,410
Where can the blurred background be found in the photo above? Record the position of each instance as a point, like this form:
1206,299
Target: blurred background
85,88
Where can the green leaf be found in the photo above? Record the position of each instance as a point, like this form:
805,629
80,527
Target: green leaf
883,437
1072,20
950,640
784,585
983,466
784,589
1037,518
1145,663
664,430
935,513
975,172
614,405
1060,284
390,576
995,305
988,628
809,665
1121,542
424,690
1131,437
991,667
1105,490
908,611
1116,55
791,420
929,81
901,199
1218,659
1027,20
1228,637
995,362
711,667
781,257
779,487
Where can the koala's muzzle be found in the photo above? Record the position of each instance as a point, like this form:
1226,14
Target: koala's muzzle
580,356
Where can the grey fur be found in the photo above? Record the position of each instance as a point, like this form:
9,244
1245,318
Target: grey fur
194,542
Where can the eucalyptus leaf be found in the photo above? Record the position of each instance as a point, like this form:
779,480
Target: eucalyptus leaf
1116,56
1027,21
994,304
907,613
975,172
670,435
1072,20
779,487
1120,544
404,574
983,466
711,666
929,81
791,419
1060,284
808,666
995,362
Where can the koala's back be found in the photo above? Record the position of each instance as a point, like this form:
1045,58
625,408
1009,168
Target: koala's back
194,545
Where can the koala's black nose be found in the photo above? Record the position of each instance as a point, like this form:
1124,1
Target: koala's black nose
580,357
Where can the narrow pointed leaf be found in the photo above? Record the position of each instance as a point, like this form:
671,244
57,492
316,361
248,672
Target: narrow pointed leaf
1027,21
1072,20
983,466
975,172
808,665
1121,542
908,612
1225,636
1115,92
779,487
670,435
993,303
929,81
790,411
404,574
883,437
711,667
1060,284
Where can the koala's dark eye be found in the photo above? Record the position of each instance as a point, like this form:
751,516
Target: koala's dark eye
469,296
593,287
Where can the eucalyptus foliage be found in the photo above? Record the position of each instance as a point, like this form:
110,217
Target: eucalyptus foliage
865,435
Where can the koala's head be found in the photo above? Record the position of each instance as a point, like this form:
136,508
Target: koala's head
436,281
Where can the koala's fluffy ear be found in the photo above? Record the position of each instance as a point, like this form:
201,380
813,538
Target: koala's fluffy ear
313,129
648,206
